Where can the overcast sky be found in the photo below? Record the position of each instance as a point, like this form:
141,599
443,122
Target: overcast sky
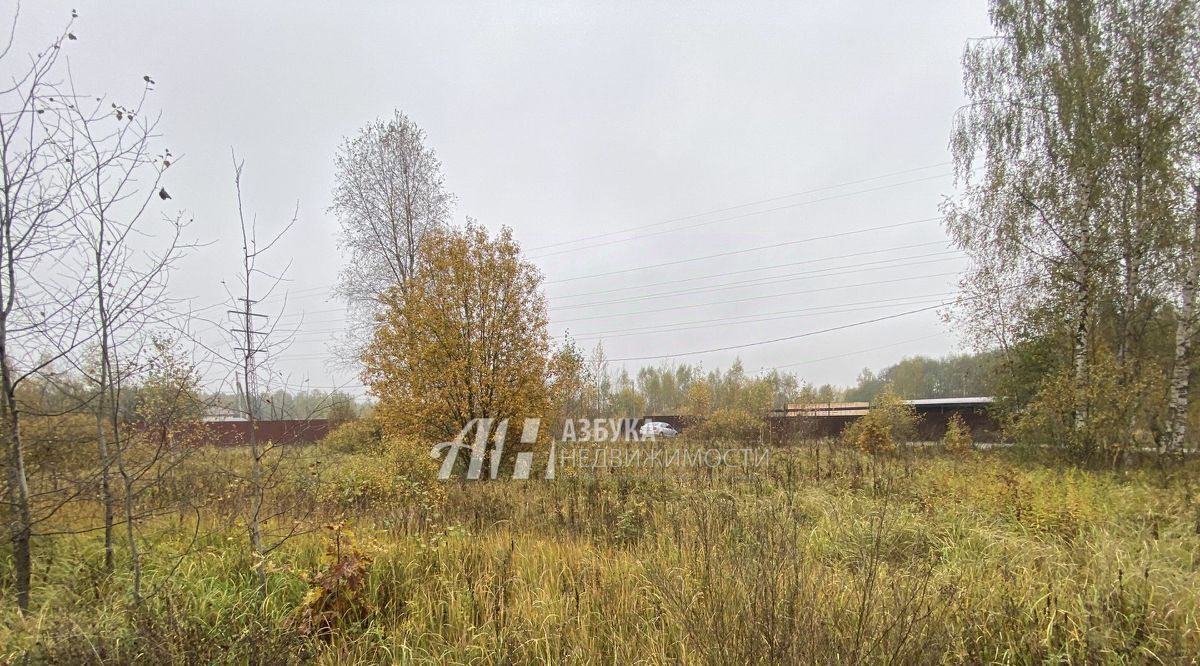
576,122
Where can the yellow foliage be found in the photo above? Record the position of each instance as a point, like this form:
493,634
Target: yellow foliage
732,424
402,475
888,420
355,436
873,437
336,598
957,439
1086,422
700,399
464,338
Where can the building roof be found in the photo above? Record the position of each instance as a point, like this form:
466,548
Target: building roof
979,400
861,408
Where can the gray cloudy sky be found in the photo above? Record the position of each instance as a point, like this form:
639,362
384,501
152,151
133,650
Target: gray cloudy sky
575,120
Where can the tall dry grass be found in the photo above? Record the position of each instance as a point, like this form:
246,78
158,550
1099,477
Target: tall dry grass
824,555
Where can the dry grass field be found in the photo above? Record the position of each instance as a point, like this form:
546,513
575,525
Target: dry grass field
821,555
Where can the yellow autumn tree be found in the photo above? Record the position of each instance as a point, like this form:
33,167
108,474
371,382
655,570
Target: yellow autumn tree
464,338
957,439
889,420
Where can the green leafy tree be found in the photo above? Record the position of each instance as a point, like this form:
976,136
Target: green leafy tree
1075,150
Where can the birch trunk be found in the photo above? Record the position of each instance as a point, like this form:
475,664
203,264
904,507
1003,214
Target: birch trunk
1080,355
1185,331
102,448
20,520
256,498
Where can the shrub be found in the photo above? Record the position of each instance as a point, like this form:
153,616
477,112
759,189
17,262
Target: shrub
873,437
889,420
730,424
402,475
957,439
336,598
356,436
1090,423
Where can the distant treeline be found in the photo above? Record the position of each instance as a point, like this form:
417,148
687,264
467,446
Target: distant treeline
687,389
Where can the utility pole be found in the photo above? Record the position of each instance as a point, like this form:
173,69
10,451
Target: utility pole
251,341
249,382
248,387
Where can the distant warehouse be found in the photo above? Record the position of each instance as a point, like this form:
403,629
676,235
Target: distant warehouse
828,419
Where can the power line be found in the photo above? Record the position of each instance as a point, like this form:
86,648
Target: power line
752,270
758,298
750,344
814,313
826,271
684,261
739,217
730,253
855,352
758,282
306,336
807,334
731,347
322,334
744,205
768,314
785,338
744,319
312,312
288,295
765,280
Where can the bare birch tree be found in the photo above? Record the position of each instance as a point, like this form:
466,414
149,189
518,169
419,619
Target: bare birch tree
128,275
39,322
389,193
257,338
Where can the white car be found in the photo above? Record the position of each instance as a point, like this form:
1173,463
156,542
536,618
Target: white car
656,429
